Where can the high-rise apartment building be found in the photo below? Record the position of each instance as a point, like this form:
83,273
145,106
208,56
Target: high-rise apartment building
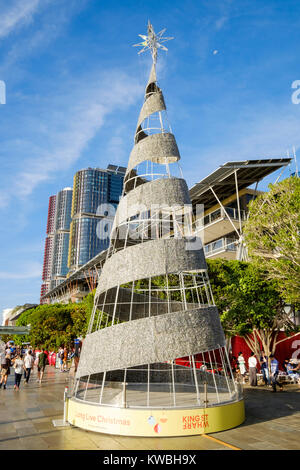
55,266
61,236
48,252
93,188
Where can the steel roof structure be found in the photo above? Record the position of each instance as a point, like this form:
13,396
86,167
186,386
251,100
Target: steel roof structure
14,330
223,180
98,260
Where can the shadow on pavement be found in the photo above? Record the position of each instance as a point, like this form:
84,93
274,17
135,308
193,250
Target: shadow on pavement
261,404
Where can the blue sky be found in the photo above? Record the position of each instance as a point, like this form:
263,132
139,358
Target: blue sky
74,88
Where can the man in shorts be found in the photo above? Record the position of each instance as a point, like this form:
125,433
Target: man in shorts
65,360
5,370
42,362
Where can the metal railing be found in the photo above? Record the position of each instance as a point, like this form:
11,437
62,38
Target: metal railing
179,387
223,244
14,330
221,214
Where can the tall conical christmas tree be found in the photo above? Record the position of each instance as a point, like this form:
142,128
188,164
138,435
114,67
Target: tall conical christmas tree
155,340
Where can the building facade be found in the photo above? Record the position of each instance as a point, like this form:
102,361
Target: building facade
94,190
224,197
221,225
61,236
48,251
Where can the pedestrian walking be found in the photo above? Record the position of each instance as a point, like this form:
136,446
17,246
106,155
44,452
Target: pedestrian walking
252,363
42,362
77,350
12,352
242,365
65,360
274,367
28,362
61,358
5,370
2,358
265,369
19,367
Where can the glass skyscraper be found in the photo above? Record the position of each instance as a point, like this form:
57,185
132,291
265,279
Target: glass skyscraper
93,188
61,236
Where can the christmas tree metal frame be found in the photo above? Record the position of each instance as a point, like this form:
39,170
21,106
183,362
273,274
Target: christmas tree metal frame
155,344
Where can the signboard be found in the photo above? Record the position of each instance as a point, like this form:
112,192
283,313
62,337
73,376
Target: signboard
154,423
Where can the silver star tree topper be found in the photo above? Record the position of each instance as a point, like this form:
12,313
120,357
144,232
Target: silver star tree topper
152,41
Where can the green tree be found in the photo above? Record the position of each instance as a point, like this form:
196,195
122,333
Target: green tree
249,304
55,324
272,236
88,304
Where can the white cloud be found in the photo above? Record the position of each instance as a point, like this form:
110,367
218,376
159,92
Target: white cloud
21,12
69,131
220,22
54,15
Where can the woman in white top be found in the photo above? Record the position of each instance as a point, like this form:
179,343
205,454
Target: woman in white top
28,363
19,367
241,363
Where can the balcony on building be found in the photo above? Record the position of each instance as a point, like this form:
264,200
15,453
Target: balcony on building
216,224
225,247
225,191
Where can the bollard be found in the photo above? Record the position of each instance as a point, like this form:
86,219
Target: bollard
63,422
124,394
205,395
65,403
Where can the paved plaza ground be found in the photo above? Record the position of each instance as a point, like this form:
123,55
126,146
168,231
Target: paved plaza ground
272,422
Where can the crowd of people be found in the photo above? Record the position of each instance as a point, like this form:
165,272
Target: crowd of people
22,360
64,355
269,367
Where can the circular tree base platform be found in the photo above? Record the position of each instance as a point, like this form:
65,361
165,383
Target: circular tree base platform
147,422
